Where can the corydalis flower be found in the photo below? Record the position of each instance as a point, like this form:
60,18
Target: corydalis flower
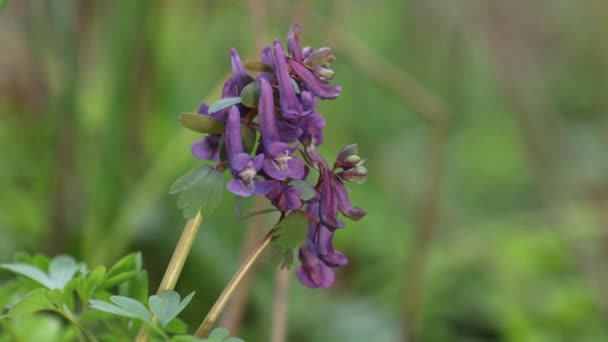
244,167
295,81
279,164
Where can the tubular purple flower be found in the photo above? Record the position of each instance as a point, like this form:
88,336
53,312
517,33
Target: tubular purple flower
284,197
328,207
313,272
313,83
266,117
243,167
279,164
344,205
312,127
207,149
290,107
325,248
266,58
293,42
233,140
240,75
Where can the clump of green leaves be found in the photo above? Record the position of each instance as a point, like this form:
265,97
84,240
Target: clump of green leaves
107,305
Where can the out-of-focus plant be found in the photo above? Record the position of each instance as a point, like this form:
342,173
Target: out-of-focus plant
97,303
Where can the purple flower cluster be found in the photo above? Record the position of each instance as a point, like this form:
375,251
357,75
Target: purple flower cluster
286,90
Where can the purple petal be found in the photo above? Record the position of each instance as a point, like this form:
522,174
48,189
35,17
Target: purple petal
291,199
234,143
290,107
328,211
312,126
293,42
266,117
207,149
313,83
326,251
240,74
313,272
272,170
289,132
239,162
295,168
261,187
267,59
203,109
258,162
346,208
308,102
274,148
238,188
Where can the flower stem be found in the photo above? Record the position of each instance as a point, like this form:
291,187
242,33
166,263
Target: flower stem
220,303
180,254
176,264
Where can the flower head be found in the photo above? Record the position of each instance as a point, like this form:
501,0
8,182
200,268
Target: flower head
280,109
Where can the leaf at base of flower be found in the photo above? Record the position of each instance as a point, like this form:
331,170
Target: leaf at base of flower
224,103
200,190
201,123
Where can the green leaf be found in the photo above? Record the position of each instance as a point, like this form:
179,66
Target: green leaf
250,95
224,103
201,123
96,277
34,301
257,66
296,87
61,270
200,190
307,191
186,338
167,306
123,306
123,270
29,271
248,135
291,230
176,326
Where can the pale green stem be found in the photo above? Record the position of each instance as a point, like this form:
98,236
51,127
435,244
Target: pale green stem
220,303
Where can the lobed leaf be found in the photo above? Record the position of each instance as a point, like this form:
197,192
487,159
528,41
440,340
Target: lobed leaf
200,190
168,305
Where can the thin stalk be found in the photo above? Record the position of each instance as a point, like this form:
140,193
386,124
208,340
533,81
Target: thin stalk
176,264
180,254
279,306
220,303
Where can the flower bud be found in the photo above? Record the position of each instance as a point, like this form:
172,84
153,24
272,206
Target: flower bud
357,174
348,157
324,73
322,56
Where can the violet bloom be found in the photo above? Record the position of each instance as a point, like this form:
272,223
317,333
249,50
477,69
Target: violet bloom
284,197
313,272
288,101
279,164
244,168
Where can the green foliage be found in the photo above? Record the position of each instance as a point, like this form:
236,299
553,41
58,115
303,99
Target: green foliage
168,305
94,308
250,95
200,190
221,335
201,123
288,235
224,103
61,270
307,191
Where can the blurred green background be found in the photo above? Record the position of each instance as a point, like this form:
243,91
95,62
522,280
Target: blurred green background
484,124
